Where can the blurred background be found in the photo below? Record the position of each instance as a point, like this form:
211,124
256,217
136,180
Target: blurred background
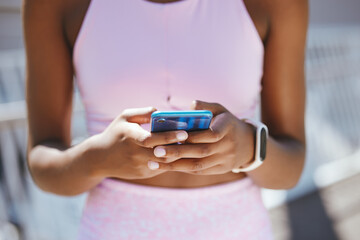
324,205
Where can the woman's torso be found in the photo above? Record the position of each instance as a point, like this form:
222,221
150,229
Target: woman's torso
166,91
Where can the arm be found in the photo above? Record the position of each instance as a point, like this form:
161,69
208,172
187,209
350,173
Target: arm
228,143
49,86
283,95
121,151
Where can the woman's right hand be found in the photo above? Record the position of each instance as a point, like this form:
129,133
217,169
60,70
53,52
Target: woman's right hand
124,148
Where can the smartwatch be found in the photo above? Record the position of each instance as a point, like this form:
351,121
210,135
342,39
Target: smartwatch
261,136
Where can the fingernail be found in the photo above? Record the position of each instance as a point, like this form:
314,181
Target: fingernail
181,136
153,165
159,152
193,104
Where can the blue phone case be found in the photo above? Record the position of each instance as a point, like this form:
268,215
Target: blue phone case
162,121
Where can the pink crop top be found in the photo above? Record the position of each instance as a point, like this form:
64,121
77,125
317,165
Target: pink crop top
138,53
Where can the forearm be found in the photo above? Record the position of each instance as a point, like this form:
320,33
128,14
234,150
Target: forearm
63,170
283,165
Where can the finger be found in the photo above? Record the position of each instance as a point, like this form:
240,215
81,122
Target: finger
147,157
191,164
171,153
215,108
147,154
215,133
150,140
204,136
137,115
135,132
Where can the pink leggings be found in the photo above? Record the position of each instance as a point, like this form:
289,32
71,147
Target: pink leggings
121,210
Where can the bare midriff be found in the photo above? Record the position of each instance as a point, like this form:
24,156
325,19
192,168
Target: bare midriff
185,180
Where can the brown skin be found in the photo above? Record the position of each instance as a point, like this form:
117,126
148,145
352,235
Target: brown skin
124,148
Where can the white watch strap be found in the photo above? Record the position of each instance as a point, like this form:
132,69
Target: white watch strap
257,158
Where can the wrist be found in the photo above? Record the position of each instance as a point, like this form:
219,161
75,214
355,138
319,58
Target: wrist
260,136
248,133
87,154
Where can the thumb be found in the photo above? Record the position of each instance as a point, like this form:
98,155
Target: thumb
215,108
138,115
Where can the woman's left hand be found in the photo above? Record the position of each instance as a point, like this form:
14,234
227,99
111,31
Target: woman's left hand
227,144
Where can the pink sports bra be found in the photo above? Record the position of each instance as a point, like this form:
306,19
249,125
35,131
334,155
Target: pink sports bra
138,53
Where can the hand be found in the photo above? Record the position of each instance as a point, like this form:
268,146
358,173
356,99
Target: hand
124,148
227,144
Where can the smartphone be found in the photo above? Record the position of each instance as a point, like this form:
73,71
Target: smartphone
162,121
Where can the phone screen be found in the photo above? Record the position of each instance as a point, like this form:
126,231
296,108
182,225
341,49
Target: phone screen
162,121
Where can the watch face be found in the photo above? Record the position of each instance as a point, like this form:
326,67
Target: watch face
263,137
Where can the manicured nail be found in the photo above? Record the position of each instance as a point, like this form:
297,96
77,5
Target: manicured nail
193,103
181,136
153,165
159,152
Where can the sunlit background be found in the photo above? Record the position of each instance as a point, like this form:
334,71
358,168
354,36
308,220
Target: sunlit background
324,205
